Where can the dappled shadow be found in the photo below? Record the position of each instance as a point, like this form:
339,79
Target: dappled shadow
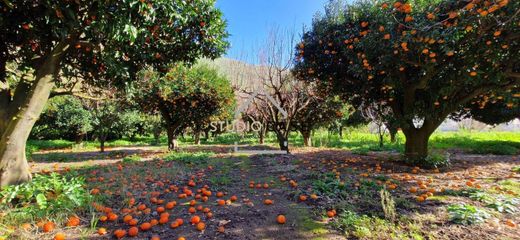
53,156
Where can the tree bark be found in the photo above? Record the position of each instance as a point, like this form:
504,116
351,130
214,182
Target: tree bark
306,138
416,145
392,135
102,140
22,112
196,138
261,134
283,142
341,132
173,145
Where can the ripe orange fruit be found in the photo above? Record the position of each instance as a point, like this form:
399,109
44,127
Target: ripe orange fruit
181,238
280,219
221,202
174,224
330,214
133,231
510,223
220,194
201,226
303,198
268,202
133,222
73,221
146,226
48,227
119,233
233,198
59,236
180,221
155,238
102,231
195,220
192,210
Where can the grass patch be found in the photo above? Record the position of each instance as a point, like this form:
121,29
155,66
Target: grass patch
189,157
131,158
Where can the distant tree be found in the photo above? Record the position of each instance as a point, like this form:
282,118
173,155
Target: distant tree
423,59
184,96
350,117
64,117
66,45
319,112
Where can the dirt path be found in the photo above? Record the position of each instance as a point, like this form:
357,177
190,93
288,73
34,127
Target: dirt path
254,219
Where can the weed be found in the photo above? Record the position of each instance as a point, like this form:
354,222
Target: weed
46,196
388,205
466,214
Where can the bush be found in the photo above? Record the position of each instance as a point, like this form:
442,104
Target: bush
189,157
466,214
46,196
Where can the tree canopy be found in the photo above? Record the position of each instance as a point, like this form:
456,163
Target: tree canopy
184,96
424,59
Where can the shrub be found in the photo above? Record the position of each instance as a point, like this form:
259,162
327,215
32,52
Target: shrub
466,214
46,196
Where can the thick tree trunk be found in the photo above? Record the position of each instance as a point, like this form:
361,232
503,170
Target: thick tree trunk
173,145
306,138
22,112
416,146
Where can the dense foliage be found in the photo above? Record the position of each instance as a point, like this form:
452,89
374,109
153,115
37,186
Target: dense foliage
424,59
185,96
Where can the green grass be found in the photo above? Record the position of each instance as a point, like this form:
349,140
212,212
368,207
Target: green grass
357,140
189,157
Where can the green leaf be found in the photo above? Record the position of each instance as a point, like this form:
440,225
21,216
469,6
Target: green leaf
41,200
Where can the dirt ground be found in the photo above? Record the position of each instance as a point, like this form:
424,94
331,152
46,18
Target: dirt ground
153,180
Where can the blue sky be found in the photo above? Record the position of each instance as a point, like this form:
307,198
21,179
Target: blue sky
249,21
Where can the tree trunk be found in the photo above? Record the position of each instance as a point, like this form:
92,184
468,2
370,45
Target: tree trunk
416,146
102,140
196,138
282,142
173,145
306,138
156,137
341,132
22,112
206,134
261,135
393,133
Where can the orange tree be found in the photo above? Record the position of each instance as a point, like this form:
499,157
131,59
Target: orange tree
58,43
319,112
424,59
185,96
